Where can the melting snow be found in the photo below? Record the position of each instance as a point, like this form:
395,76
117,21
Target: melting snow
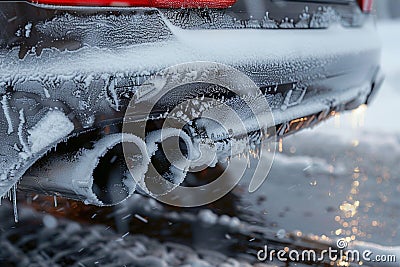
51,128
28,29
6,110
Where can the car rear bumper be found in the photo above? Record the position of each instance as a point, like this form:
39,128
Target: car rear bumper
319,61
303,73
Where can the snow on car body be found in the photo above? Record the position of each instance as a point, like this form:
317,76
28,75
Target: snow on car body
85,63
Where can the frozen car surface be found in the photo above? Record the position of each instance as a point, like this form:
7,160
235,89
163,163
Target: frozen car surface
69,70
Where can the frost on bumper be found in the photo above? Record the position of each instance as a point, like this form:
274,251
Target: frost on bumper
26,134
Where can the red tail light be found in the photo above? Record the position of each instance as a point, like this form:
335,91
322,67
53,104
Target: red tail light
143,3
366,5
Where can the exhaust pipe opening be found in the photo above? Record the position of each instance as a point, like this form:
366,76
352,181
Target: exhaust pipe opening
99,175
163,162
112,182
170,153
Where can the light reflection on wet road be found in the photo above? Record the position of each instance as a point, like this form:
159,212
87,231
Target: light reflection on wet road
327,184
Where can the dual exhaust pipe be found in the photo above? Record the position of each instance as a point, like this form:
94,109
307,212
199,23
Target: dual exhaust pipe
113,169
229,116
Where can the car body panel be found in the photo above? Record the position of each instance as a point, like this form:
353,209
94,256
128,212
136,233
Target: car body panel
309,58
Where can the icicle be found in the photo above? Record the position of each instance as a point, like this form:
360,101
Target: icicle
15,203
55,201
358,116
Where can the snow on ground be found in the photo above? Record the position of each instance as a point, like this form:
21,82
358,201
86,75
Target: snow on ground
44,240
